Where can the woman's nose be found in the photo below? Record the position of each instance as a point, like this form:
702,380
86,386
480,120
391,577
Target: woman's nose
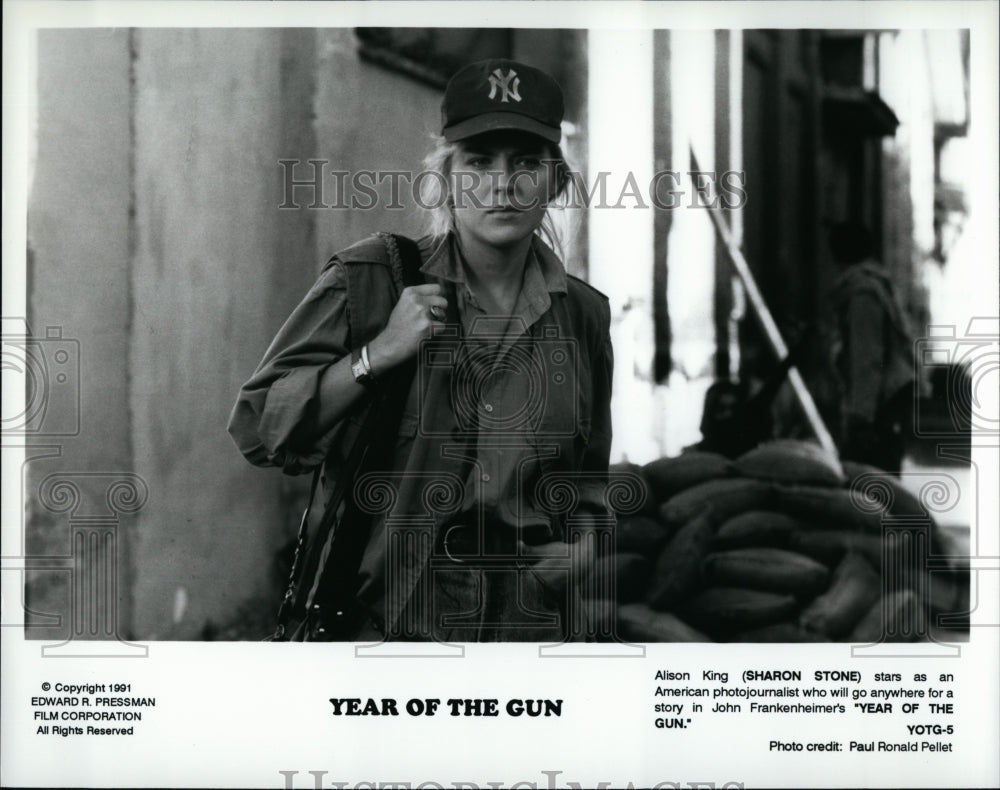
506,178
503,178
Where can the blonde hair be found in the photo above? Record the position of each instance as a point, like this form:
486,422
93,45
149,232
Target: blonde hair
436,200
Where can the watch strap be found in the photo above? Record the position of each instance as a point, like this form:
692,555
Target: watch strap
361,366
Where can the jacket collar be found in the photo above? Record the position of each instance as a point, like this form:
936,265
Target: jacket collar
443,259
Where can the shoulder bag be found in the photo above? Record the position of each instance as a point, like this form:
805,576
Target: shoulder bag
320,602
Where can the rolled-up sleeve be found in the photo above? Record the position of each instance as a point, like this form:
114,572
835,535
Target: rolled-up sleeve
275,419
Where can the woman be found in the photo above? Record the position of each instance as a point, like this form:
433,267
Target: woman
505,363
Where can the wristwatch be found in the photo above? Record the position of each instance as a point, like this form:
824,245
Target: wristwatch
361,367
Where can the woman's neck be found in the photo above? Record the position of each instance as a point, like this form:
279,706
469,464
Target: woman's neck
494,274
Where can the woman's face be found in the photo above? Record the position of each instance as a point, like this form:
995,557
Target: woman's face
501,183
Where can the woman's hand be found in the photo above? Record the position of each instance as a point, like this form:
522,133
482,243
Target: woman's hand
420,308
549,562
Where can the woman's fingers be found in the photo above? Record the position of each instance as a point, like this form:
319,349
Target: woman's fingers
425,289
420,309
557,565
432,301
425,297
555,548
580,552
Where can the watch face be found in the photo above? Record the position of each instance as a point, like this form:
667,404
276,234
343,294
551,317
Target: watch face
361,375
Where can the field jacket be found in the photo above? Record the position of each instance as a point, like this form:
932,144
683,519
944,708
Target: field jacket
563,434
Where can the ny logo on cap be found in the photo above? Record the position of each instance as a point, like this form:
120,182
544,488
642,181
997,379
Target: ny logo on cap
508,85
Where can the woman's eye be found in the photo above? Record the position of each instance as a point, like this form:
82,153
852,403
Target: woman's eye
479,162
528,162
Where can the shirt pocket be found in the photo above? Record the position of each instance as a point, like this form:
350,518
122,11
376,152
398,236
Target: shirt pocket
565,388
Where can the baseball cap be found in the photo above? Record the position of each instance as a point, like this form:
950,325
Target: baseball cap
501,94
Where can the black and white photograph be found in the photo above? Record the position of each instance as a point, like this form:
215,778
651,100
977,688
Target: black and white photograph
501,395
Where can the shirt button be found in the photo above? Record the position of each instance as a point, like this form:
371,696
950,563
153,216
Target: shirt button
486,478
489,408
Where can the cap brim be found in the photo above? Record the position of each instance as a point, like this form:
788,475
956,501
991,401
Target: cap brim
495,121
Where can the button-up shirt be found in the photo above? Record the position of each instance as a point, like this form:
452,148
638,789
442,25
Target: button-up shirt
499,384
496,410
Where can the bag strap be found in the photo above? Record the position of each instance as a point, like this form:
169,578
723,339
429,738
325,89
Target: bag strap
344,526
285,608
333,568
404,257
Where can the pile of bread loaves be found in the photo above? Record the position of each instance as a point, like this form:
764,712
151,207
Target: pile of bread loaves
784,544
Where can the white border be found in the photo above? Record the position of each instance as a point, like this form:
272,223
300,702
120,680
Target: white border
236,714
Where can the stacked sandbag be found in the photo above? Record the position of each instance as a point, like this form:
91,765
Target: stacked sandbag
640,623
854,590
784,544
622,577
633,473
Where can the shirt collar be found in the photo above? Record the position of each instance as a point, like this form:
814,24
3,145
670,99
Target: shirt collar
443,260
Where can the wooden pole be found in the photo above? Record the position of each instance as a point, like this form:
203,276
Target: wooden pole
766,320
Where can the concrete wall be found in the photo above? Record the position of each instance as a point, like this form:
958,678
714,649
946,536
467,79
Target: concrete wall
368,118
156,240
209,286
78,280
